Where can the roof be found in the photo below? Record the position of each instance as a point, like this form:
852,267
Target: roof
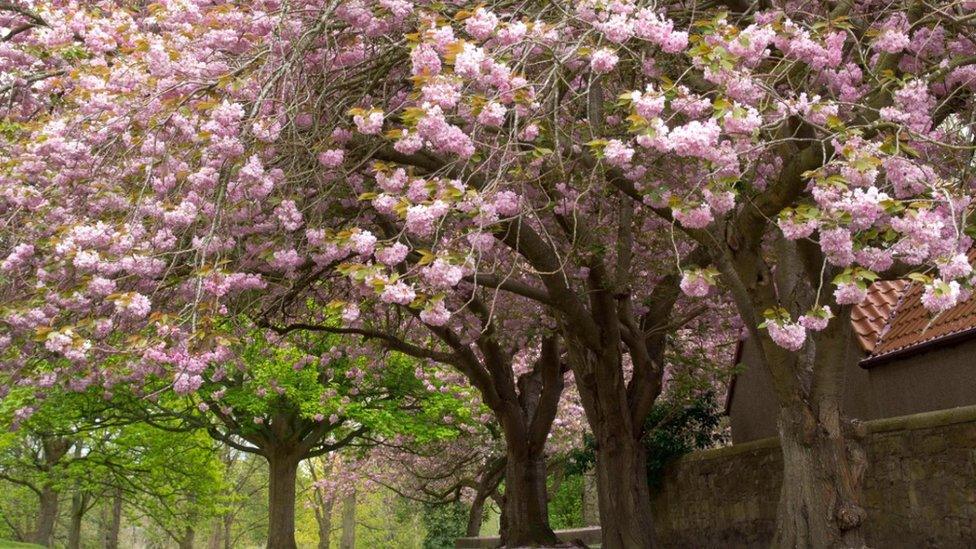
912,327
870,317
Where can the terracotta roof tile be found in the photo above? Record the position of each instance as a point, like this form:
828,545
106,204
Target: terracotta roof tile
913,325
871,315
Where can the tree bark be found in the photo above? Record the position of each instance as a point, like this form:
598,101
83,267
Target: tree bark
819,504
78,503
186,542
324,517
283,471
47,516
622,491
115,522
526,501
621,474
348,540
228,531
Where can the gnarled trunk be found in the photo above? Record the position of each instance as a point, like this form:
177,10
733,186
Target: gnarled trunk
823,467
621,474
283,471
526,502
625,501
47,516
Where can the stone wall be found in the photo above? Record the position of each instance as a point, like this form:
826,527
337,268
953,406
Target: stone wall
920,488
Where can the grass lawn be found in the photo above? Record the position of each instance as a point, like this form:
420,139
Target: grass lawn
4,544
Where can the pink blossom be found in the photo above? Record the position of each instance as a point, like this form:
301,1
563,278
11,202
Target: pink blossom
425,61
698,217
185,383
695,138
618,154
787,335
603,60
941,296
332,158
420,220
286,260
482,24
816,321
392,255
693,284
288,215
363,242
370,123
399,293
435,315
492,114
350,313
506,203
957,266
441,274
133,305
17,257
850,293
838,246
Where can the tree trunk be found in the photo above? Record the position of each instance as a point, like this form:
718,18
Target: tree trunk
526,502
348,540
115,522
78,503
47,516
228,531
621,473
622,491
186,542
214,542
819,504
283,470
324,517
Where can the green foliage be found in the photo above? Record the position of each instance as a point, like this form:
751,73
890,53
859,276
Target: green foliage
444,525
674,430
566,503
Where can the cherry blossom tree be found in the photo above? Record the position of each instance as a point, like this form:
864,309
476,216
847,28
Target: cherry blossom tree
478,185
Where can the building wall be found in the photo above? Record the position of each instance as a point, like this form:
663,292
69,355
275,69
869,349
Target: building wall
920,488
941,378
935,380
753,409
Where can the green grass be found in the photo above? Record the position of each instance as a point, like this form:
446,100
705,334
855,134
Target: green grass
4,544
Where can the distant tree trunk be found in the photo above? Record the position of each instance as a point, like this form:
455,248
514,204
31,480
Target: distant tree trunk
348,540
323,516
186,542
115,521
216,536
79,503
228,531
487,486
47,516
54,449
283,470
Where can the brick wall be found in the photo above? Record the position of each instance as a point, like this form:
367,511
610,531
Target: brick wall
920,488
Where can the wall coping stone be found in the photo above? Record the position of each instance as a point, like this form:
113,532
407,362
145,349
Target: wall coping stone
923,420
